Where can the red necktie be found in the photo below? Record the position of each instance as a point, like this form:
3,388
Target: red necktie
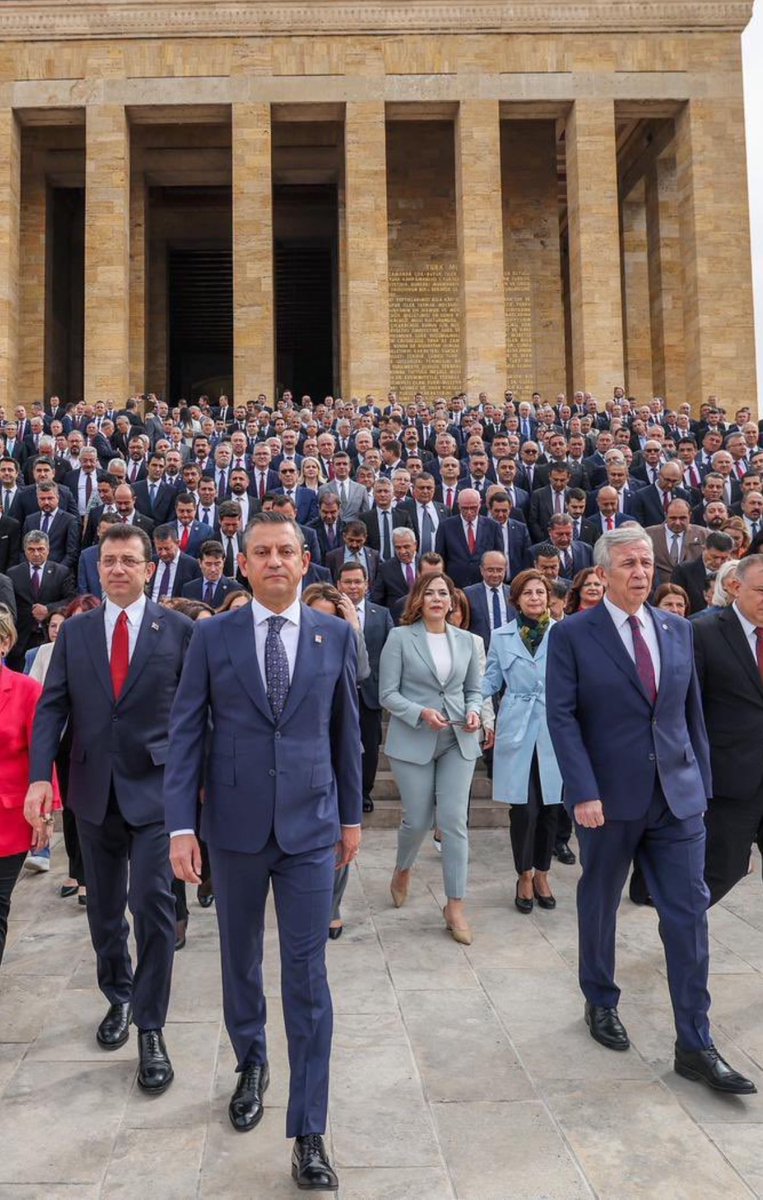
185,539
262,487
644,664
759,649
410,575
666,498
88,488
449,498
471,540
120,654
610,524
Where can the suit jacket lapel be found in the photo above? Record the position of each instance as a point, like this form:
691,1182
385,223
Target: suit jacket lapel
735,636
418,633
96,647
242,651
149,635
604,631
310,653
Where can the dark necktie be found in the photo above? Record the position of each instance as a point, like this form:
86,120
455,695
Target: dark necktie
209,593
88,489
496,609
644,664
229,561
386,539
427,532
35,583
410,575
120,654
205,516
276,667
759,648
223,483
471,539
164,582
45,523
7,501
152,495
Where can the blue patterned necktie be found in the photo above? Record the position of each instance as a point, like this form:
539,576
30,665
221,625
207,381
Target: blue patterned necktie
276,667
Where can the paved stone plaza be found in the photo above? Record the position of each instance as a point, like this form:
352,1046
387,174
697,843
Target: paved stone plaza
457,1072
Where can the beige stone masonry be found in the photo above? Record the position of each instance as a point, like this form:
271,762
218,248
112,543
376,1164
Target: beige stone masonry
253,313
32,286
107,254
480,246
10,190
594,235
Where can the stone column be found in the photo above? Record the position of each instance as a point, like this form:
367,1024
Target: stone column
479,216
253,307
34,208
138,282
665,282
635,283
594,240
107,254
366,250
715,251
10,222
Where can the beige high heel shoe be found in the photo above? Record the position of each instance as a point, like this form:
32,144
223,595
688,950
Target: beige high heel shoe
462,935
399,894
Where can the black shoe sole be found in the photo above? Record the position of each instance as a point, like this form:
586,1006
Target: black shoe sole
312,1187
156,1091
697,1077
257,1119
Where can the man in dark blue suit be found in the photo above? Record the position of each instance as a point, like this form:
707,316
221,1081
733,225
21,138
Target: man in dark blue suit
489,600
88,575
375,623
192,534
282,805
173,569
515,538
462,540
154,497
62,528
573,556
213,586
113,678
650,504
625,716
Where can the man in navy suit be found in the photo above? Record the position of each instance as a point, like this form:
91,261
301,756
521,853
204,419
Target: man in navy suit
515,537
192,534
625,716
154,498
305,500
573,555
650,504
173,569
375,623
489,600
62,528
279,683
212,587
113,678
462,540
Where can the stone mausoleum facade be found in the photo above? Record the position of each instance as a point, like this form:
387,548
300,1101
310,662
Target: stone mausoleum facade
363,197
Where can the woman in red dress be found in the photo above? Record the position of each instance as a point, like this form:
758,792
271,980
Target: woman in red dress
18,700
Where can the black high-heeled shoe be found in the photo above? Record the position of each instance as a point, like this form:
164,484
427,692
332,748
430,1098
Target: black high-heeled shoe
335,932
525,906
544,901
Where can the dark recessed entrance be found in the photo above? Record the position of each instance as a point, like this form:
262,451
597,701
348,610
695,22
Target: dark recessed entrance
305,269
201,320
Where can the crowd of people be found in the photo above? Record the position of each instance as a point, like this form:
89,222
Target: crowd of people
504,579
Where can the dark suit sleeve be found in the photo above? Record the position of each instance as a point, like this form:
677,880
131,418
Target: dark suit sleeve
345,736
561,704
526,557
52,713
72,545
695,721
68,592
183,775
379,590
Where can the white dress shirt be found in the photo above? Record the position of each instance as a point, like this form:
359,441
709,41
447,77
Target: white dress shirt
289,634
501,601
749,632
159,576
620,619
134,613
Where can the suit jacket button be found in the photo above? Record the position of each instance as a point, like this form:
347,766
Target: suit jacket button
651,758
277,735
271,771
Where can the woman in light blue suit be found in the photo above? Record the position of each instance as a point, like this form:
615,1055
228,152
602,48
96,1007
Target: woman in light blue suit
429,680
525,771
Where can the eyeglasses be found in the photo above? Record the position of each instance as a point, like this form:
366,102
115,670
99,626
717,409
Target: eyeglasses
131,564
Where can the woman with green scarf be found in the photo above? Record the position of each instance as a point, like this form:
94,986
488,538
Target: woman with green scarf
525,771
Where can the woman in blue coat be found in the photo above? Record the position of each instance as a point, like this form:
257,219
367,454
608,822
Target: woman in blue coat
525,771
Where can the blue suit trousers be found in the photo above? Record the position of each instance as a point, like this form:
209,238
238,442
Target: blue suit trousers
671,854
303,887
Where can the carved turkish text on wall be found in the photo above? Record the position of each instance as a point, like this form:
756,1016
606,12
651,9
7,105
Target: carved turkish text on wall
425,329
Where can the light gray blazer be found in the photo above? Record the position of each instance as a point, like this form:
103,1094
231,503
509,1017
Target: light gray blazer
356,502
408,683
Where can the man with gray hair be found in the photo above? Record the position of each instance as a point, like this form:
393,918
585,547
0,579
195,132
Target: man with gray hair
625,717
41,588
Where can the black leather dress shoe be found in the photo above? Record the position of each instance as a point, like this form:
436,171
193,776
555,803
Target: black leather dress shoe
525,906
114,1029
245,1109
368,804
606,1027
310,1167
707,1066
335,932
181,929
563,854
204,894
155,1072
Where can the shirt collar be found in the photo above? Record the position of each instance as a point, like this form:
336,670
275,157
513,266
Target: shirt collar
747,626
134,611
261,614
620,617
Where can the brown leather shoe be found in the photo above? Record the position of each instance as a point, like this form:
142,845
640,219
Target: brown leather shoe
399,894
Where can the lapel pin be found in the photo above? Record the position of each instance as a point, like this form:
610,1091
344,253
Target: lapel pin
664,627
319,639
154,626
